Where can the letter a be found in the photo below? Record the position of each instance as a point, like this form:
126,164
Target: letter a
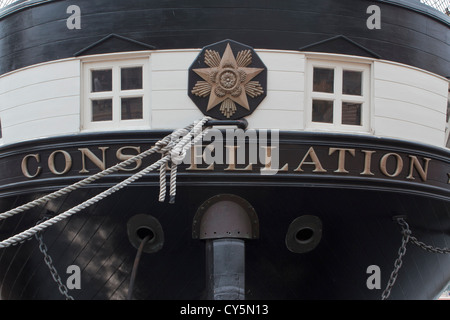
374,21
373,282
74,21
74,281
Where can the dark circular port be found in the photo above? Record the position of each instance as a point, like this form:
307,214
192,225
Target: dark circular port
144,232
141,226
304,235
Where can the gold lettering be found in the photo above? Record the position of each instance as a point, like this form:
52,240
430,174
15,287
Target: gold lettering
123,157
24,166
383,166
67,160
268,160
341,159
197,159
231,160
315,161
415,164
85,152
367,163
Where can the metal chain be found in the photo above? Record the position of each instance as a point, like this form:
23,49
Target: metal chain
49,262
428,247
402,251
398,262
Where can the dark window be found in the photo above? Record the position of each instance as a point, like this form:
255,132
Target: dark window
131,78
101,80
351,113
352,83
102,110
323,80
322,111
131,108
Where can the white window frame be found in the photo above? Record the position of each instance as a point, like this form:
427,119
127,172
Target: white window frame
2,132
447,126
116,94
337,96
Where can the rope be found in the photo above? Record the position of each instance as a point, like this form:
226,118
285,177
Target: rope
173,182
175,150
135,266
160,146
162,183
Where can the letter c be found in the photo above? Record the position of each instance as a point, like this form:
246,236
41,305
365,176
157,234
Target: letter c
24,166
226,307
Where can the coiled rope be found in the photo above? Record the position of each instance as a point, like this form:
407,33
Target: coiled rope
173,149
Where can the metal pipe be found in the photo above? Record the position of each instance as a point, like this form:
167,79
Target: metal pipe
225,261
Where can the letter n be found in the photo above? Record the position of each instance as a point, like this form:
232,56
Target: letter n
373,281
374,21
74,21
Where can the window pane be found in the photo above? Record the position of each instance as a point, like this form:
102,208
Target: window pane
131,108
322,111
101,80
351,113
352,83
323,80
102,110
131,78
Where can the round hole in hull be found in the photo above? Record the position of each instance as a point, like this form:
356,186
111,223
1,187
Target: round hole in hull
142,225
304,234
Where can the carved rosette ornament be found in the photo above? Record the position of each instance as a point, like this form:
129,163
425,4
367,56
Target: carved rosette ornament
227,86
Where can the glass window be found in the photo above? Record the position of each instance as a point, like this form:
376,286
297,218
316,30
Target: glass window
131,108
351,113
101,80
116,92
338,95
322,111
352,82
323,80
102,110
131,78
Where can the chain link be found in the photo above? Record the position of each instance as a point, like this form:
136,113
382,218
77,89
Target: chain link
428,247
407,236
49,262
398,262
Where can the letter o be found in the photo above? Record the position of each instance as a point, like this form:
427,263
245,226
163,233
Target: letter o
67,159
383,166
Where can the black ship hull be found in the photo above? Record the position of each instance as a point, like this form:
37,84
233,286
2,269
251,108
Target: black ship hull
357,231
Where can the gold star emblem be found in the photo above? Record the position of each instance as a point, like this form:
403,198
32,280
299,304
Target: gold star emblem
227,81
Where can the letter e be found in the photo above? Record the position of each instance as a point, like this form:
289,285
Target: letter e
74,21
374,281
374,21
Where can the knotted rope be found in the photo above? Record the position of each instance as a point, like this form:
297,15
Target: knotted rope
172,147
